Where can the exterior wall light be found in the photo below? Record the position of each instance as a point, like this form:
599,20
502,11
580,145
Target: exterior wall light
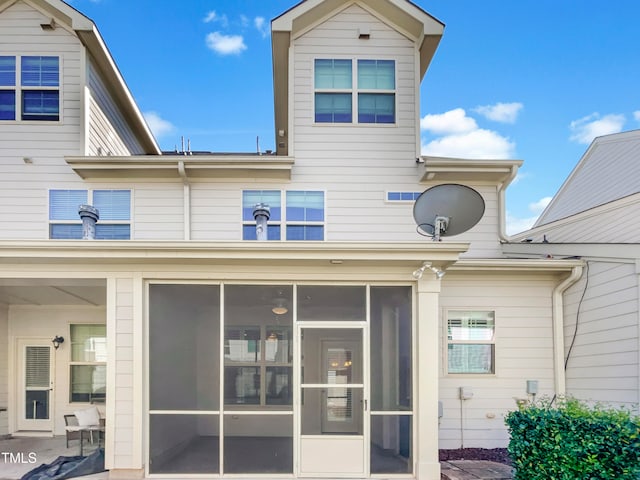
57,340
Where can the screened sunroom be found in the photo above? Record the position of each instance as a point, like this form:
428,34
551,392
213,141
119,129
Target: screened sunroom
290,379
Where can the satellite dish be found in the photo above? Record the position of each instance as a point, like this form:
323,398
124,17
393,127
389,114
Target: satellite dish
447,209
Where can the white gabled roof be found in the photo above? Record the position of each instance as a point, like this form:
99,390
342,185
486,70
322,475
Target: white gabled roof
608,171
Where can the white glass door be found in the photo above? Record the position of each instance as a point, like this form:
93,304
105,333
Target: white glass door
36,386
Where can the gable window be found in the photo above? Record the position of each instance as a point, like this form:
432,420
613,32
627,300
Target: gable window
302,216
88,377
114,207
30,88
368,96
471,342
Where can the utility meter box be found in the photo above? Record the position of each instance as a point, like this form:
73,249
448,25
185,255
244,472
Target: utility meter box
466,393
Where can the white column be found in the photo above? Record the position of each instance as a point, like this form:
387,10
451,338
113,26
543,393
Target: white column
123,442
428,466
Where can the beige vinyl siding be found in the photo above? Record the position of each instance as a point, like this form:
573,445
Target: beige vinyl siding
23,186
354,162
615,222
216,209
4,368
603,365
357,164
109,133
607,172
158,211
523,351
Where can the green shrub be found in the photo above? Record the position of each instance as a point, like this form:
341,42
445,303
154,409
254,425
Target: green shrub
573,441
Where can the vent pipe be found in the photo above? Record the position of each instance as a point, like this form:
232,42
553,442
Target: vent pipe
89,216
261,214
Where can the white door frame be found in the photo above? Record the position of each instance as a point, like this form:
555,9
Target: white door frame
22,423
327,446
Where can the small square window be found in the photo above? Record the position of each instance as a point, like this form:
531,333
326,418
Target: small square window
471,342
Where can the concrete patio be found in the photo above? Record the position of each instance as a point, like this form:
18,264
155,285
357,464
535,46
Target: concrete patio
475,470
20,455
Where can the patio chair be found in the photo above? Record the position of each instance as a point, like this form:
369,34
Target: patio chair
71,421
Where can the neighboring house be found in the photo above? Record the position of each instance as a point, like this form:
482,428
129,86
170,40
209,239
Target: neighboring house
318,351
595,216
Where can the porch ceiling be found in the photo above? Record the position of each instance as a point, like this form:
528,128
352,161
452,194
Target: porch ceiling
47,291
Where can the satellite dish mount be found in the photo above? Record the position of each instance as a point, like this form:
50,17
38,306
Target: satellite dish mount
440,227
446,210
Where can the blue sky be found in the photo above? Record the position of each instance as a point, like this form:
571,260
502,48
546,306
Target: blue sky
532,80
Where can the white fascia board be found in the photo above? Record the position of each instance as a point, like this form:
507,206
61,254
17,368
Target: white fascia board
127,251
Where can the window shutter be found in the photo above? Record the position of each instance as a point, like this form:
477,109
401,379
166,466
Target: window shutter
37,367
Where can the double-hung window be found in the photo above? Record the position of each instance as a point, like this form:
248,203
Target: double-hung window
88,376
303,214
368,96
29,88
114,207
471,342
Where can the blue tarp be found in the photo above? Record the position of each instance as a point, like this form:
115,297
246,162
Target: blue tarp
68,467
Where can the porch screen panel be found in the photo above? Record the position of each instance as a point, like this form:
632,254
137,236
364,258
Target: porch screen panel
391,380
332,303
391,348
391,444
184,347
258,443
184,444
258,348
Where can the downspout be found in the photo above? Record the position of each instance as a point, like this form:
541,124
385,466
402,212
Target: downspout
558,329
186,200
502,206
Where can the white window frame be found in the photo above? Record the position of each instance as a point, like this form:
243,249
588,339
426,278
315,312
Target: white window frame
73,363
415,195
283,223
18,88
354,91
447,341
90,192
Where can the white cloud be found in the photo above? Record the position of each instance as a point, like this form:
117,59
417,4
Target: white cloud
636,115
157,124
500,112
447,123
540,205
213,16
585,129
262,26
477,143
517,225
210,17
226,44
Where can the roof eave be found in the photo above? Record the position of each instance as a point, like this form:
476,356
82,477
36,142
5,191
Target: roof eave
443,169
96,46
